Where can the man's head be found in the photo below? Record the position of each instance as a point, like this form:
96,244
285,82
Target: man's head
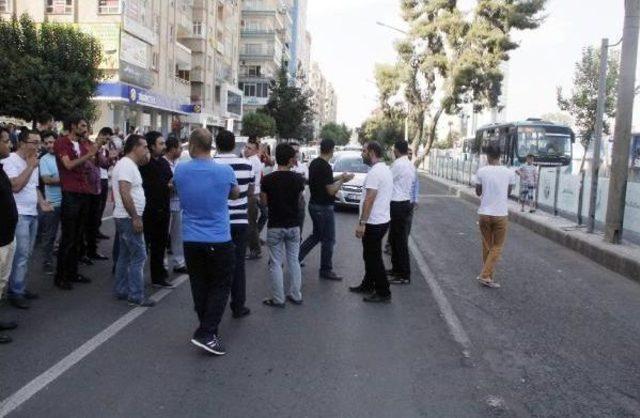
410,154
136,148
400,148
48,139
105,133
77,126
225,141
45,122
200,143
285,155
327,146
493,153
29,141
296,148
530,159
174,149
155,142
371,153
252,147
5,142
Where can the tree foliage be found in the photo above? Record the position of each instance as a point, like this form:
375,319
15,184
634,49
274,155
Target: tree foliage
385,127
258,124
582,103
47,69
449,59
339,133
290,105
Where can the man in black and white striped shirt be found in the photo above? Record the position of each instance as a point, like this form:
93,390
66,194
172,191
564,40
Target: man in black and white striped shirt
225,143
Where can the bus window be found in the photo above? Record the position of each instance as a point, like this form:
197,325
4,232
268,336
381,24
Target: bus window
539,142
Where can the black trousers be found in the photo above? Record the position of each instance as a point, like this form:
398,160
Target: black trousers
239,233
104,184
210,269
401,214
73,215
156,236
375,275
89,244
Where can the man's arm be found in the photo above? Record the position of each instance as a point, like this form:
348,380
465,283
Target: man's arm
334,187
234,193
45,206
370,197
18,183
70,164
479,190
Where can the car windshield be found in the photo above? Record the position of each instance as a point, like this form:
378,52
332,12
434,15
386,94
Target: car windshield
539,142
350,165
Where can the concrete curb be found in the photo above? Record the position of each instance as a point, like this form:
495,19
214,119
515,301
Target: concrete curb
623,259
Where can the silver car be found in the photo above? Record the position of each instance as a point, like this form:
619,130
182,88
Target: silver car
350,193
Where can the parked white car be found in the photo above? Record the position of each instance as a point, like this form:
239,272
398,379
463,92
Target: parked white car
350,193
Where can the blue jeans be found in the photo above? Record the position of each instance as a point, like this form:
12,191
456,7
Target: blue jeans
49,224
324,232
26,231
281,242
131,258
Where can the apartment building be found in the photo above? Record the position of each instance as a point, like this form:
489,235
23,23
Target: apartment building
325,100
266,35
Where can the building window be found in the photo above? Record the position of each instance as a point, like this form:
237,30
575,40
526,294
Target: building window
249,90
109,7
253,49
217,94
254,71
197,28
5,6
263,90
59,7
154,61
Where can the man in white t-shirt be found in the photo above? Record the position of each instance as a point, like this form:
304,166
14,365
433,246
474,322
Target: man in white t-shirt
130,202
255,209
302,169
373,224
22,169
493,184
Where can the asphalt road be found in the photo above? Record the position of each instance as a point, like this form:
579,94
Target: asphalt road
560,338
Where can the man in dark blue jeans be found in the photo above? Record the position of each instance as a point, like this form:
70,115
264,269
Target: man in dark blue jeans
323,187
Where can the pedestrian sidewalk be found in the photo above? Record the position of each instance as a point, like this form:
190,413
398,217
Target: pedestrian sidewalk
623,259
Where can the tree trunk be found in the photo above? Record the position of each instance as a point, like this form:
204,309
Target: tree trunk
433,127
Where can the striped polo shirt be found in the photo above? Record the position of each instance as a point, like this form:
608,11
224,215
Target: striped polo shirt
244,174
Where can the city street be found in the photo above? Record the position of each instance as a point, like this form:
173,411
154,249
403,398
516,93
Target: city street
560,338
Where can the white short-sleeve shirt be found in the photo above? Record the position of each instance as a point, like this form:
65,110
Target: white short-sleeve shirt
495,181
258,168
127,170
380,179
27,198
404,175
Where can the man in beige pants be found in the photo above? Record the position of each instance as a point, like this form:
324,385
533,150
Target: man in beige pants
8,220
493,184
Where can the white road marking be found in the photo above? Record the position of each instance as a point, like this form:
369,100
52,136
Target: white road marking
453,323
36,385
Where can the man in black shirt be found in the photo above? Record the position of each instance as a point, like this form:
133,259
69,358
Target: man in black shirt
280,191
323,187
156,181
8,222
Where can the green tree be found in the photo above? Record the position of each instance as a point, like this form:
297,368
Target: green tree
448,59
258,124
383,127
339,133
51,68
289,104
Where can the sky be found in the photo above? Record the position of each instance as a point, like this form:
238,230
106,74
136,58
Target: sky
347,43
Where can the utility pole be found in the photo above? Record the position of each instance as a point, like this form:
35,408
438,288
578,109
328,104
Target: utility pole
622,133
597,139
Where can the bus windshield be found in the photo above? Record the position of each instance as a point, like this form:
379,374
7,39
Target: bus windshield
542,143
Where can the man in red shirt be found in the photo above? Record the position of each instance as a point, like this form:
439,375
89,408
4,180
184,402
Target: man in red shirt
74,155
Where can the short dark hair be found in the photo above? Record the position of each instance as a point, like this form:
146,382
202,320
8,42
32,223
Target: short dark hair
492,151
531,155
44,118
225,141
152,137
173,143
375,147
253,139
327,145
73,120
106,131
24,134
47,134
284,154
132,141
401,146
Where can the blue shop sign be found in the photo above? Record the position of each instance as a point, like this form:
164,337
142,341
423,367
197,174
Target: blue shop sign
142,97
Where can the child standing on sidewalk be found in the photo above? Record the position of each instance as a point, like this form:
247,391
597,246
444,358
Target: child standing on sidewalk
528,180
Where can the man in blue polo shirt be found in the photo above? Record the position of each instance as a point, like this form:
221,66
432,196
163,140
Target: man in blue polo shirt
204,187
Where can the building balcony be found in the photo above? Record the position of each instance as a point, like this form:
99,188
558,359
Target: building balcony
257,54
183,57
182,89
197,75
255,101
258,33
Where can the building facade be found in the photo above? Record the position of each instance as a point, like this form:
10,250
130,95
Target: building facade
325,100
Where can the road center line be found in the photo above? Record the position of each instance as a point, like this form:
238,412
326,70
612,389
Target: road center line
453,323
43,380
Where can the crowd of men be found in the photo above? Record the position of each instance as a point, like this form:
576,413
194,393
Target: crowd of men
199,215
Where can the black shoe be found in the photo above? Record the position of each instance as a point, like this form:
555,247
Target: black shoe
30,295
360,289
180,270
241,313
20,302
81,279
63,285
211,345
100,235
254,256
399,280
376,298
7,325
122,297
97,256
294,301
5,339
164,273
86,261
162,285
146,303
273,303
330,275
